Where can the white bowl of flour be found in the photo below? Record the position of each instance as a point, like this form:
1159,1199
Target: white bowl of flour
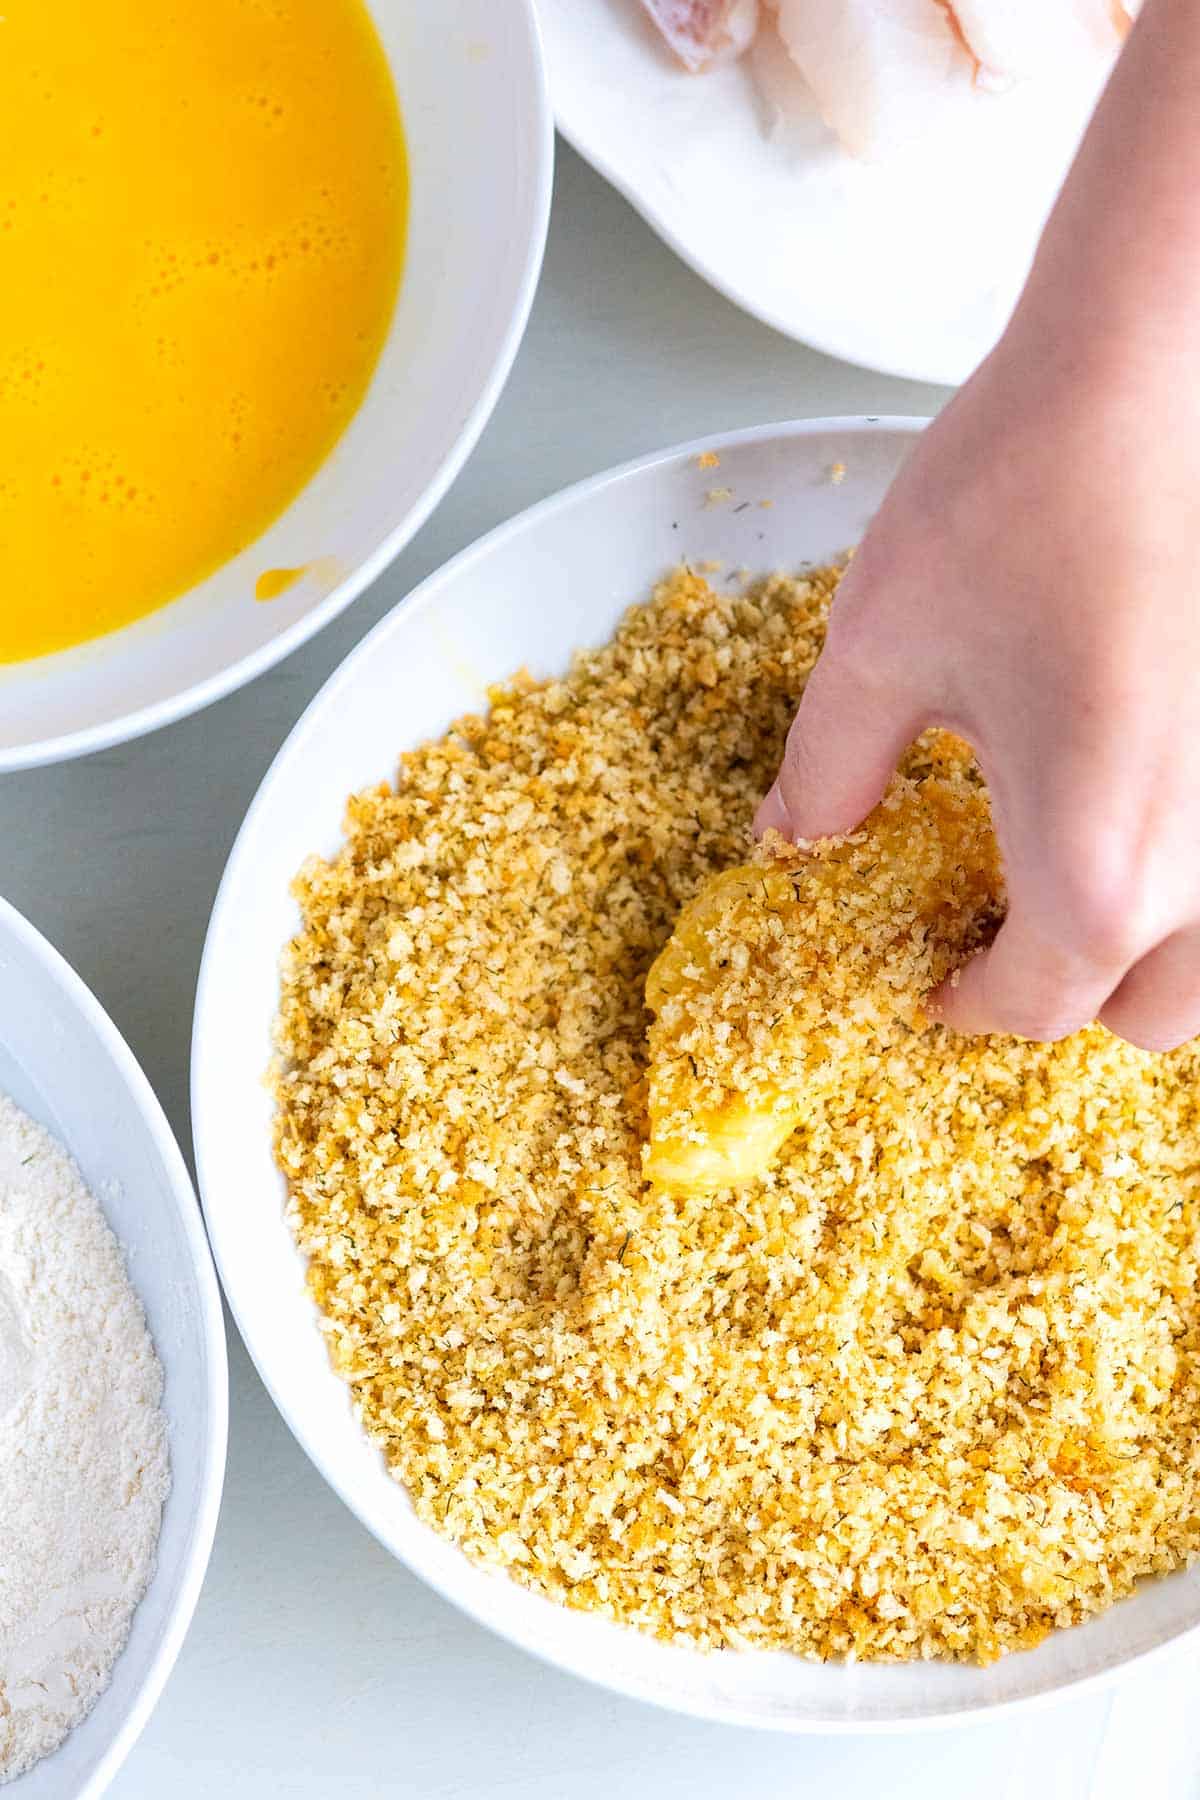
113,1384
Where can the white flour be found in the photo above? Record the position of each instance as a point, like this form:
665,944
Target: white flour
83,1446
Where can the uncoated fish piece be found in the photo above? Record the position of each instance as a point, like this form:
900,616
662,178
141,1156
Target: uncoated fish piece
702,32
1013,39
875,67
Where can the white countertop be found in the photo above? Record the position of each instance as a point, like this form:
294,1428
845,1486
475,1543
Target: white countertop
317,1666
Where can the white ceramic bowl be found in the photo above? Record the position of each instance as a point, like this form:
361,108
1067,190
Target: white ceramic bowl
472,91
64,1061
557,578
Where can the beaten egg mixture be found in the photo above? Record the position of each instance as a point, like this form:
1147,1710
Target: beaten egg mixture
202,214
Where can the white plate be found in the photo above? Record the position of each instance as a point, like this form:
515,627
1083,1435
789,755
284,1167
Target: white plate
472,91
63,1060
554,579
910,266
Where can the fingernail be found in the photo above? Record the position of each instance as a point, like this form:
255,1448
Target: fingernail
773,815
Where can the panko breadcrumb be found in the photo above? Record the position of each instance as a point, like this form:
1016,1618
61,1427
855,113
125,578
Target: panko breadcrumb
786,975
927,1387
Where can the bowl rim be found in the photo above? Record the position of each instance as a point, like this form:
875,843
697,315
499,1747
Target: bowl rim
199,1548
199,694
423,596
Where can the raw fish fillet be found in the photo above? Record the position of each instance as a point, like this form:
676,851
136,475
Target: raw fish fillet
790,114
1011,40
875,67
702,32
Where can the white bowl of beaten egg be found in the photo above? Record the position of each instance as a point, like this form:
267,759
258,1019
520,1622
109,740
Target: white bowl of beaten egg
90,1332
554,581
264,271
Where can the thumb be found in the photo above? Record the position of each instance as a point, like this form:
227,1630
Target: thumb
841,752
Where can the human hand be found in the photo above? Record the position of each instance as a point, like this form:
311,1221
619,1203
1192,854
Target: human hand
1033,583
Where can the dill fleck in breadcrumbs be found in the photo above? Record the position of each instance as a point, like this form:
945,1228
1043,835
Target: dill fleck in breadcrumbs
927,1386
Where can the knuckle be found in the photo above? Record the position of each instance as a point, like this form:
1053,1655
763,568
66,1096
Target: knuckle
854,644
864,620
1104,904
877,641
1104,932
797,748
799,769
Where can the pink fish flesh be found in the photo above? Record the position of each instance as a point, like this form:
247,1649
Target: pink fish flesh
703,32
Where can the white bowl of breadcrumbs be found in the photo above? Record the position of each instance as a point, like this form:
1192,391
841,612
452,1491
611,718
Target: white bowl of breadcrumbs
900,1427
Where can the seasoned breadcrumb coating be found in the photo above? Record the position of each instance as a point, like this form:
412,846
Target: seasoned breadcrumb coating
784,974
928,1386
